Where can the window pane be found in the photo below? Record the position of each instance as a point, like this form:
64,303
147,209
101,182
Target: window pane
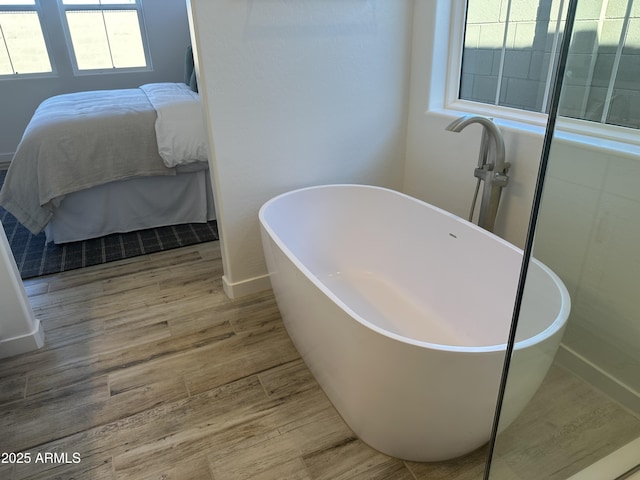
530,46
106,39
590,63
17,2
123,30
482,51
89,39
603,66
508,52
625,100
511,47
5,62
25,50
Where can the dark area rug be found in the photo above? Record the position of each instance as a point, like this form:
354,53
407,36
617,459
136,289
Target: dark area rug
35,257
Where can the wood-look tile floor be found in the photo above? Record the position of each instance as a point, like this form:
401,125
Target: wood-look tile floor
150,372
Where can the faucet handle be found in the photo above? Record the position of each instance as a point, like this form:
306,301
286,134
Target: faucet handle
500,180
483,172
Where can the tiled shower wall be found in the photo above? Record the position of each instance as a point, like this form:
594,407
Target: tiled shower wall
588,232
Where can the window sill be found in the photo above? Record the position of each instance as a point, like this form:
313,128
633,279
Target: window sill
111,71
27,76
518,121
606,138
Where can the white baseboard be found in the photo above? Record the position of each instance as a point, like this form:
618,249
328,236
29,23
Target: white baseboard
26,343
610,386
246,287
614,465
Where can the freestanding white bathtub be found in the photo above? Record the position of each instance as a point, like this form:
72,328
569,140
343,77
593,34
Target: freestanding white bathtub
402,311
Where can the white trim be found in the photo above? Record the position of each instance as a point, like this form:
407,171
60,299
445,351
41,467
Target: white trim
613,388
23,344
605,138
614,465
246,287
609,137
515,115
5,160
456,47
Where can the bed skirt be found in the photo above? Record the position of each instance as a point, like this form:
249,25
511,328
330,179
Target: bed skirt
133,204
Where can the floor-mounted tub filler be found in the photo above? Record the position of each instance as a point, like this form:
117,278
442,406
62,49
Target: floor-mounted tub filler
402,311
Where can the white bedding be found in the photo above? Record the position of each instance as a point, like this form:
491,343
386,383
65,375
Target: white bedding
180,130
82,140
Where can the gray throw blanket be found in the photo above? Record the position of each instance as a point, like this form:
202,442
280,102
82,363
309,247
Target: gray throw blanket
76,141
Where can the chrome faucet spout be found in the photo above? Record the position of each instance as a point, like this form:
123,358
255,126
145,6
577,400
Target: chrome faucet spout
493,133
491,168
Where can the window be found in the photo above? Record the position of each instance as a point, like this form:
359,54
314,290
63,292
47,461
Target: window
105,34
102,35
510,54
22,45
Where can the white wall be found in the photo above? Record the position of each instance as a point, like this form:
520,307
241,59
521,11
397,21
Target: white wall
297,93
20,331
168,35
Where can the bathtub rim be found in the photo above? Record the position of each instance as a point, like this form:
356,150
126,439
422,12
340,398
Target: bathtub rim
557,324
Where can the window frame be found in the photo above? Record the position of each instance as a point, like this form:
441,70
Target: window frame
63,8
603,135
36,7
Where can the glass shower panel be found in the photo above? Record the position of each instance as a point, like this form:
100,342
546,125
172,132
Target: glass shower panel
531,48
588,232
601,82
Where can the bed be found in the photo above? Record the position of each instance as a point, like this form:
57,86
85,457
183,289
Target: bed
99,162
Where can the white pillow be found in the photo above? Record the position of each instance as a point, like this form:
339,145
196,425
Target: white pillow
180,130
